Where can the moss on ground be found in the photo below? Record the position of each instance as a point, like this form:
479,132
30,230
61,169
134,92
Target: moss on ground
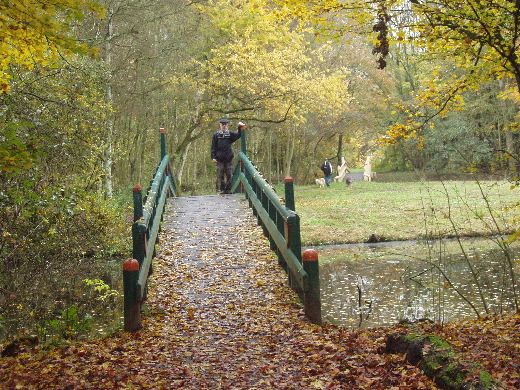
439,362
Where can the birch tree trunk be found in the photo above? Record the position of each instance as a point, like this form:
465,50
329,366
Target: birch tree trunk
508,135
182,163
291,144
110,130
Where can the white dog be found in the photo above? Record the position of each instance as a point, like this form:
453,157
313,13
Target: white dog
320,182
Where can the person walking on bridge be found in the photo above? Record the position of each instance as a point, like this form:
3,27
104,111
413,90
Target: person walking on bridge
222,154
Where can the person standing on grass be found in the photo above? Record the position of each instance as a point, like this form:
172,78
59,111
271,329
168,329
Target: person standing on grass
326,167
222,154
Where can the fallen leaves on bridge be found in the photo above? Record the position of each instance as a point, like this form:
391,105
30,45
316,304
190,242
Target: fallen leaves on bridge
221,317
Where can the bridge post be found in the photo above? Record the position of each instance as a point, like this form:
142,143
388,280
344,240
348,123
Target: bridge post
132,306
163,142
293,233
138,236
293,239
243,141
289,193
138,202
312,298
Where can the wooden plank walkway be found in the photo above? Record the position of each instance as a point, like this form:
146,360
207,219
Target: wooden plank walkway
238,318
212,235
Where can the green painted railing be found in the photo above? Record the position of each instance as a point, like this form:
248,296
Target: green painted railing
148,216
278,219
281,225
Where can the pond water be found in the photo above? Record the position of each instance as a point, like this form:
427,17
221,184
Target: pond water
370,285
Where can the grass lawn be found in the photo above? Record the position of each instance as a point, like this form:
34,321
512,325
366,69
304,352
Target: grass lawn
404,210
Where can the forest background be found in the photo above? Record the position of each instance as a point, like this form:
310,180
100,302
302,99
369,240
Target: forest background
425,86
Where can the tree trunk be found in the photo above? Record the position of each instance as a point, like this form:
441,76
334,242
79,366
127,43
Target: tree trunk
182,163
340,148
110,130
270,157
508,135
278,160
290,152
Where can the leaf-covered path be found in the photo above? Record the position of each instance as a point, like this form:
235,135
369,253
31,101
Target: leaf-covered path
219,316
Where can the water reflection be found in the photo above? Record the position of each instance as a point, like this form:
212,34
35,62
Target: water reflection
371,285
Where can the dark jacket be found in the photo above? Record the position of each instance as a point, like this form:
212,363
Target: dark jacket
221,145
326,167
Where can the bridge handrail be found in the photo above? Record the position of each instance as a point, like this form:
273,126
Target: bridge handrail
276,219
282,226
149,224
148,216
264,185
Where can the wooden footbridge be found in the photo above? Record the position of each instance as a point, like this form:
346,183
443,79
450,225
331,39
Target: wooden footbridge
198,225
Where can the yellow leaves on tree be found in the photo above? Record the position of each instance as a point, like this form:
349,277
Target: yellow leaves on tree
34,32
328,15
267,64
479,38
438,97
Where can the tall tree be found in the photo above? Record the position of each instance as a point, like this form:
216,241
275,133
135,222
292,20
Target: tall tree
256,68
481,38
141,44
35,32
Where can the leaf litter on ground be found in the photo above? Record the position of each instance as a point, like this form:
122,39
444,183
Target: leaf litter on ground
220,315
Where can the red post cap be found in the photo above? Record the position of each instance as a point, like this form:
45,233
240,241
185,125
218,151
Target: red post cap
161,130
137,188
130,265
288,179
310,255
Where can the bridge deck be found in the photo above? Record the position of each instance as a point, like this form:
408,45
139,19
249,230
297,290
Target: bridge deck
215,238
226,307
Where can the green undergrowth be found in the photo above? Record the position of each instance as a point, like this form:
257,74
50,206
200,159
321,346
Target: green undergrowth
60,270
437,359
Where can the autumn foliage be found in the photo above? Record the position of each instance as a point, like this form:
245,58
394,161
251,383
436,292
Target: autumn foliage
217,317
477,40
220,315
35,32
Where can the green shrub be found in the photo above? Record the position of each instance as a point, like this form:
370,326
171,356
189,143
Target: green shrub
52,244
